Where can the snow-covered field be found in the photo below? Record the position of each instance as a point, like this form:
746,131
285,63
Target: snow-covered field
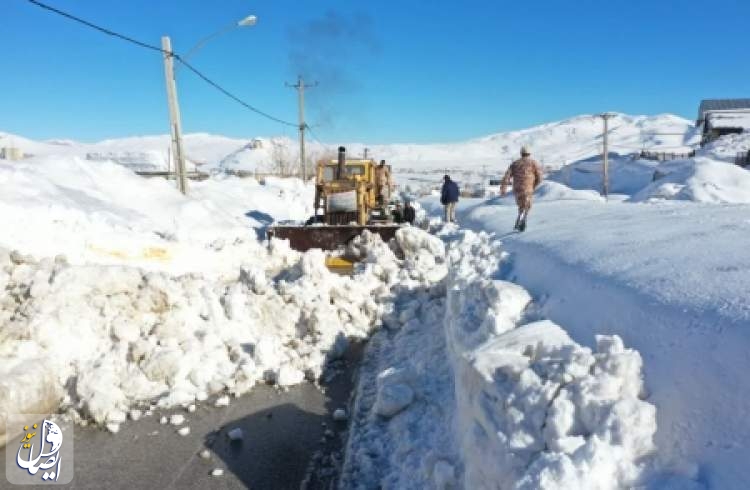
603,348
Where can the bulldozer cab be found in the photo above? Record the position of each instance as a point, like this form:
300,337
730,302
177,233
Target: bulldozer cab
359,170
345,205
345,192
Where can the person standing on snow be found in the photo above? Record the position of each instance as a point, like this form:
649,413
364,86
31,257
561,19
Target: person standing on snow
383,183
398,214
410,213
449,198
526,175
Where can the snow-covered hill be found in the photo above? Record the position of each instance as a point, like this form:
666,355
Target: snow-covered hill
152,152
553,144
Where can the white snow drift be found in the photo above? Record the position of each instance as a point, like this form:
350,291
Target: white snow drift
525,406
150,337
699,180
101,213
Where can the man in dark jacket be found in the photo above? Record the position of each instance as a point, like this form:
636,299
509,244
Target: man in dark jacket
409,213
398,214
449,198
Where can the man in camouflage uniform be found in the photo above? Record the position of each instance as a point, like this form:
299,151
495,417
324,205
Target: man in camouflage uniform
383,183
526,175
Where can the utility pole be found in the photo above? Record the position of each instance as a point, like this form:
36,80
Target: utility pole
605,153
484,180
174,115
366,151
300,86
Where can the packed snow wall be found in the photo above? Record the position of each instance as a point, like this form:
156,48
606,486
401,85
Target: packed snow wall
501,401
534,408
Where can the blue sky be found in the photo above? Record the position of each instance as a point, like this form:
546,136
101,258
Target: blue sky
408,71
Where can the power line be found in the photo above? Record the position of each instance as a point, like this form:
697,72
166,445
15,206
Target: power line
160,50
98,28
312,134
229,94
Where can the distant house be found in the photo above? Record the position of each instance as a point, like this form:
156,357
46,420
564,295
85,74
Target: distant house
717,117
11,153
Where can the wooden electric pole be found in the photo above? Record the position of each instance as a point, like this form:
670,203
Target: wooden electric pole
605,153
300,86
174,115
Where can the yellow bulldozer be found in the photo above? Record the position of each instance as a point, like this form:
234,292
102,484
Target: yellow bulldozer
346,203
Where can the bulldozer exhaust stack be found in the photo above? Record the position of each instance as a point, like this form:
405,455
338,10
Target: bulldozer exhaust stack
340,168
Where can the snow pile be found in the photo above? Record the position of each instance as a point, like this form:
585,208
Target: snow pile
401,424
515,405
554,191
626,176
534,408
146,338
699,180
256,204
727,147
99,212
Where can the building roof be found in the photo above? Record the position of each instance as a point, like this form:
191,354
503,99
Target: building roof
721,105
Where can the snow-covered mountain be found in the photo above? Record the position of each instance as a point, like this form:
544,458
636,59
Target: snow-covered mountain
553,144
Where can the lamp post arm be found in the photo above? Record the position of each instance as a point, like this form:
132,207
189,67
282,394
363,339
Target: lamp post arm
203,41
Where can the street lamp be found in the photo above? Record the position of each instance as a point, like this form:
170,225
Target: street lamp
248,21
174,108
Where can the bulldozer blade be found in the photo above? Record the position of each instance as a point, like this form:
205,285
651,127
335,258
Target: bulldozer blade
328,237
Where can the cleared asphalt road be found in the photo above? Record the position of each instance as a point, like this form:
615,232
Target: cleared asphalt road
283,431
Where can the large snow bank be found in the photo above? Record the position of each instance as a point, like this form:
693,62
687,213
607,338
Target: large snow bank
124,292
699,180
118,337
515,405
99,212
534,408
626,176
